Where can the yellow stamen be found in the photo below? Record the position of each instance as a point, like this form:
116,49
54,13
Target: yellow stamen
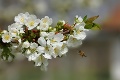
56,50
52,41
31,23
22,19
78,31
7,37
45,20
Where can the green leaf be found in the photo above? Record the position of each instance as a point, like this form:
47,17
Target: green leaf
90,20
24,50
85,18
96,27
92,26
90,23
6,53
88,26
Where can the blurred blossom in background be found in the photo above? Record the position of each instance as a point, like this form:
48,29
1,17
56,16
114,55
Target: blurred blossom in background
101,47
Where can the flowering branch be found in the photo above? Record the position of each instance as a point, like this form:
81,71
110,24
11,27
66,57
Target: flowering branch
39,42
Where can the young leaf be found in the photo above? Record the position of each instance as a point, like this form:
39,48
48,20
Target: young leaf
6,53
85,18
90,20
88,26
92,26
96,27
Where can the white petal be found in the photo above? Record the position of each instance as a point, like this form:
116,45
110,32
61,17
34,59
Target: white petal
58,37
64,49
38,60
44,34
6,37
51,35
33,56
79,26
81,36
43,68
79,18
46,20
50,21
43,26
28,52
73,42
21,18
47,56
42,41
45,62
38,63
40,49
33,45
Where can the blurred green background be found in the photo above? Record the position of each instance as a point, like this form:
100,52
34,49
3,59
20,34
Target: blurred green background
101,47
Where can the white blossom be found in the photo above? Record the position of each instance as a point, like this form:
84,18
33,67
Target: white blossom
43,34
55,37
33,56
73,42
80,26
57,49
26,44
44,23
48,51
44,43
31,53
46,20
52,44
41,60
64,48
58,37
33,47
15,25
80,35
79,19
28,52
6,37
60,48
15,29
79,31
40,49
21,18
32,22
43,26
47,48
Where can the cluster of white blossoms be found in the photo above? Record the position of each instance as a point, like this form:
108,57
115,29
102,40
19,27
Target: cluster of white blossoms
38,41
